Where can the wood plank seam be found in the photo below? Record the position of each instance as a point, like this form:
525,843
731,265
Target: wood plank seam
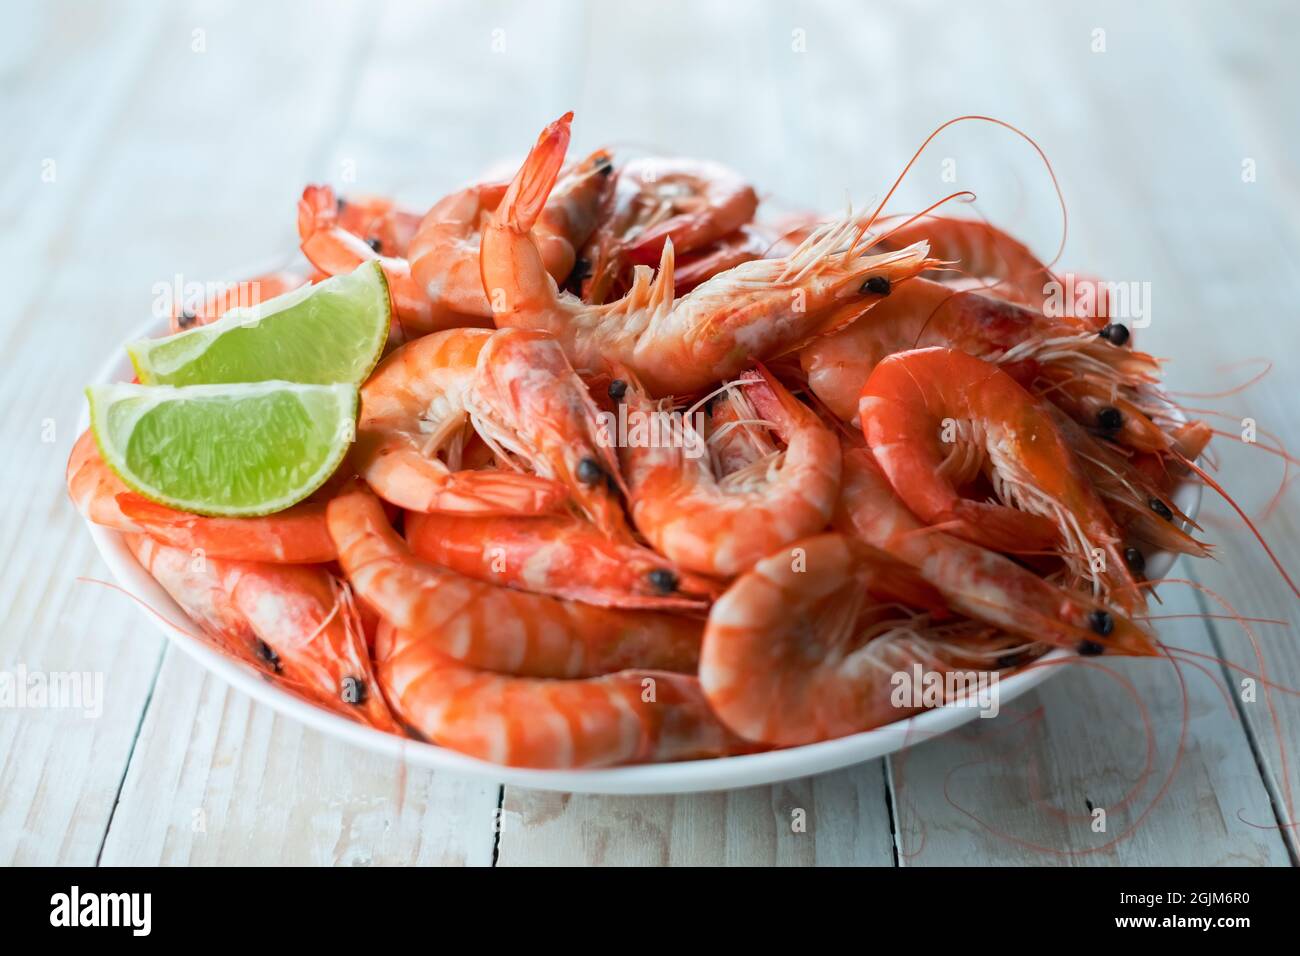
135,739
1271,784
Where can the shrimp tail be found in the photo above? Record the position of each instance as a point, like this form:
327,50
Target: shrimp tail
528,192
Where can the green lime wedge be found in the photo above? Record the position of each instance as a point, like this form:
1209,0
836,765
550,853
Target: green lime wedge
325,333
242,450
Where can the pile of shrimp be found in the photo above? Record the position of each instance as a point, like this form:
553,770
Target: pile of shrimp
643,477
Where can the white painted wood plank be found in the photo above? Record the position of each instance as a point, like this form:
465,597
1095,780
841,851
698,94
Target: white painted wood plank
837,819
1023,789
59,770
219,780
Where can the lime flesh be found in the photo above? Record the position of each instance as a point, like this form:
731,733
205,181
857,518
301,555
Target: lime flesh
330,332
236,450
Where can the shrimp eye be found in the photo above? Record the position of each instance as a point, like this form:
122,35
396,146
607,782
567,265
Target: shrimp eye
340,204
376,245
590,472
663,580
1008,661
1160,508
603,166
186,319
1101,622
1110,418
1134,559
581,270
877,284
268,654
617,389
1090,648
1115,333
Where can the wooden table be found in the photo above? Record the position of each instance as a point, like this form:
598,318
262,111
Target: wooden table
145,141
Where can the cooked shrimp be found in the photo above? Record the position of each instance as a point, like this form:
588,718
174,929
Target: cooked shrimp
1085,373
334,250
1140,506
444,254
913,401
632,716
722,526
754,311
296,535
295,624
974,248
531,405
558,555
247,292
692,203
790,657
386,227
743,245
975,581
417,405
921,313
94,488
435,280
493,627
738,436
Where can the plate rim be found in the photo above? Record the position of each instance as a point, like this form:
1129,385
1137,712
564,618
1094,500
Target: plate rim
683,776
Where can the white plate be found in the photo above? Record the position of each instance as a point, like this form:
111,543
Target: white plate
680,777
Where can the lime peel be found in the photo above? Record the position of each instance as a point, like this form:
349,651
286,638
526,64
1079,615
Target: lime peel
330,332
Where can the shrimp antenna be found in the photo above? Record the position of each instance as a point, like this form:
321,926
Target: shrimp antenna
1206,477
1056,185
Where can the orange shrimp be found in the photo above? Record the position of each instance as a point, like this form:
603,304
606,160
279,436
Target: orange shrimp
558,555
921,313
721,527
633,716
533,406
384,225
417,405
1085,373
738,436
692,203
296,535
491,627
445,252
435,281
1142,507
792,653
674,346
245,293
935,418
294,623
974,581
977,249
743,245
333,250
93,487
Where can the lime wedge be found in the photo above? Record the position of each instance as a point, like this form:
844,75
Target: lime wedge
325,333
244,449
